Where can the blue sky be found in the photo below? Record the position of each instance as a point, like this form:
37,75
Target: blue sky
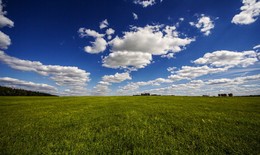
125,47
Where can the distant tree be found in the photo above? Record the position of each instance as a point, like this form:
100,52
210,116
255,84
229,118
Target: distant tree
7,91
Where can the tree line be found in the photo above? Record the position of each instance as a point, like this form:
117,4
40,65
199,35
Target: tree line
7,91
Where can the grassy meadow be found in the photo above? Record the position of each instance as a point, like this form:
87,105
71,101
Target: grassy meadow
130,125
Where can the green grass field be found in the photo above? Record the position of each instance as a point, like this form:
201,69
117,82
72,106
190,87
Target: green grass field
129,125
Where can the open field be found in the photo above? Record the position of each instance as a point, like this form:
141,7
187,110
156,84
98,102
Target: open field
129,125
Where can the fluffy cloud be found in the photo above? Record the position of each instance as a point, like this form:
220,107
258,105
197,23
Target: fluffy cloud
205,24
5,40
102,88
189,72
228,58
99,45
145,3
63,75
11,82
249,12
136,47
83,32
136,85
4,21
150,39
126,59
109,33
117,78
103,24
135,16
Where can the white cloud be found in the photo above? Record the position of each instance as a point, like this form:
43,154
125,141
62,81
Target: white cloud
109,33
205,24
145,3
169,55
256,47
189,72
126,59
83,32
181,19
15,83
99,45
103,24
4,21
67,76
5,40
132,86
171,69
150,39
117,78
228,58
102,88
135,16
249,12
135,48
238,86
235,81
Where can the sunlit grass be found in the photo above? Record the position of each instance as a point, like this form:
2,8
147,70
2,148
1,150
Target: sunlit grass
129,125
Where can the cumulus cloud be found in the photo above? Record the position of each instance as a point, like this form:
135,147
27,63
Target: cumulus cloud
135,16
99,45
117,78
132,86
67,76
5,40
191,72
83,32
228,58
4,21
145,3
136,47
249,12
126,59
218,61
205,24
150,39
103,24
39,87
102,88
109,33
